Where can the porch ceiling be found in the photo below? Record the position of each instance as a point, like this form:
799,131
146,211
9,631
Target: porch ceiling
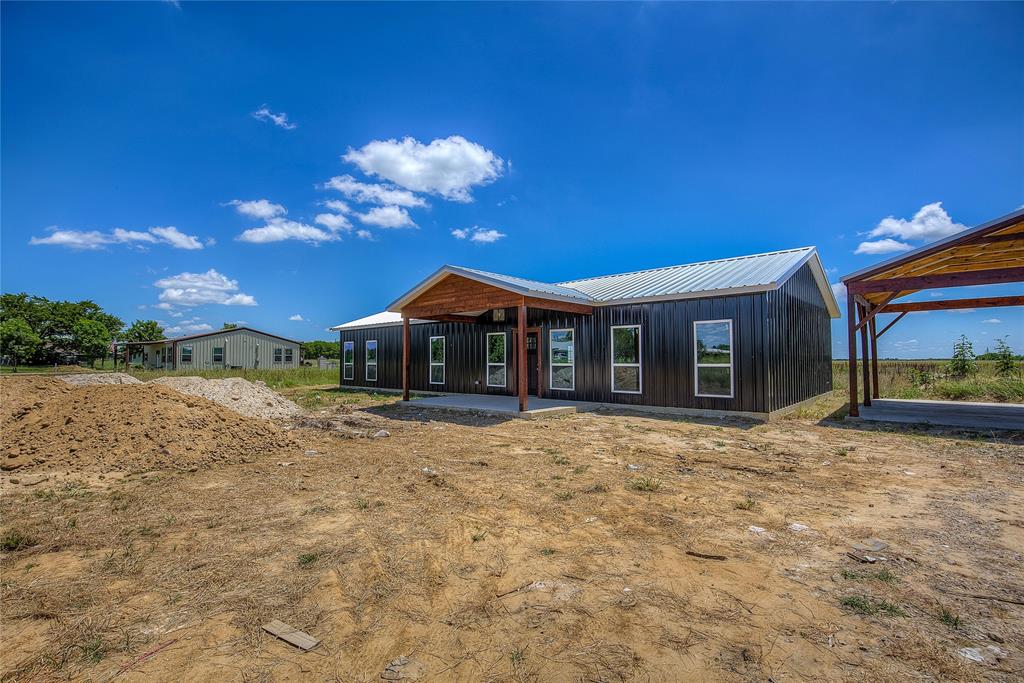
457,295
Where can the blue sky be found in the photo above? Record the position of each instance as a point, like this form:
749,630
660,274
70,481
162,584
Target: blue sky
547,141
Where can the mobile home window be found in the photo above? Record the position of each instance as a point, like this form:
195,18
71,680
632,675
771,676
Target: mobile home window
278,354
288,356
371,360
186,354
562,350
437,360
349,360
626,359
218,354
496,359
713,358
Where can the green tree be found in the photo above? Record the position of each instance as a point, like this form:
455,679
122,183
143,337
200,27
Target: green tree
229,326
1006,365
90,339
312,350
963,362
143,330
17,340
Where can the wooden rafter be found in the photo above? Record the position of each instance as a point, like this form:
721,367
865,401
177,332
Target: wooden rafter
954,304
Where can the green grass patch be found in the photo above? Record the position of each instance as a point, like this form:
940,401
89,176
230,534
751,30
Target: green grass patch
950,619
861,604
747,504
16,540
645,484
883,575
306,559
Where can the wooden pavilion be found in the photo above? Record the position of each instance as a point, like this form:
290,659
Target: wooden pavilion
992,253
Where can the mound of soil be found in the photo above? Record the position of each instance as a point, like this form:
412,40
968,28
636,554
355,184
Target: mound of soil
50,425
253,399
82,378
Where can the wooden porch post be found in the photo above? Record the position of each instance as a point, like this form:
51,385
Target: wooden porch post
851,323
874,359
521,369
866,357
405,358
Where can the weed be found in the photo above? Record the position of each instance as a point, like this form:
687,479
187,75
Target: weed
864,605
596,488
557,477
559,459
306,559
362,504
748,504
719,444
479,536
92,650
148,531
517,656
564,495
883,575
950,619
646,484
580,469
15,540
842,451
547,552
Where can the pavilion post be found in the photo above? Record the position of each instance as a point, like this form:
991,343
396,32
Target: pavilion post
521,368
874,359
851,325
866,358
405,358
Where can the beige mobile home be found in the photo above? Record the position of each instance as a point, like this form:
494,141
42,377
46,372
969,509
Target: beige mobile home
239,347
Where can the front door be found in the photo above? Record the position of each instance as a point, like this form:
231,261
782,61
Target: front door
532,360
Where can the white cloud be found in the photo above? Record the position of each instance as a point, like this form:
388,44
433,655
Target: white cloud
296,317
279,120
369,193
448,167
262,209
886,246
962,310
196,289
930,223
839,292
905,344
185,329
333,221
281,229
94,239
338,206
387,217
477,234
992,321
364,235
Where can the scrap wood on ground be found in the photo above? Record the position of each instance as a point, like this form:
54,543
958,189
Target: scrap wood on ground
462,548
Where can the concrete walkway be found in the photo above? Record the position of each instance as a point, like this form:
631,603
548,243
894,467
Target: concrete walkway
507,406
947,413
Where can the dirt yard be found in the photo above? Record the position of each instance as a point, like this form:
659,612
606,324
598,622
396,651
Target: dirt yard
594,547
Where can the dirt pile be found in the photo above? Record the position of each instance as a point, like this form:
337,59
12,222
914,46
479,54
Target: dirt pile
49,425
252,399
83,378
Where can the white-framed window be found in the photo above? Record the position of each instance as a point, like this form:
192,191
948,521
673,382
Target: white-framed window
288,356
348,359
371,360
437,360
627,360
562,359
218,354
496,359
712,358
186,354
278,354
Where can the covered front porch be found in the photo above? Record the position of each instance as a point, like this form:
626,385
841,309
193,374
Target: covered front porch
465,296
504,406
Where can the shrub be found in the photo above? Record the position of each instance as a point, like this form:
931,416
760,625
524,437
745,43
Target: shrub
963,362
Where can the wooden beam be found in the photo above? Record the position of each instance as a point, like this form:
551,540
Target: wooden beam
964,279
563,306
865,357
521,369
851,342
991,239
874,309
449,318
954,304
896,320
874,358
405,358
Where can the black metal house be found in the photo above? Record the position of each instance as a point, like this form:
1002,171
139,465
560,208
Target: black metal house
749,335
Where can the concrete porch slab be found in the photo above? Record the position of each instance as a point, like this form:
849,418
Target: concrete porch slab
946,413
506,406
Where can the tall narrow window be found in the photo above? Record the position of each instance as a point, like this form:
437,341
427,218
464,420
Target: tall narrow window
437,360
288,355
563,359
348,360
218,354
371,360
278,354
186,354
496,359
713,358
626,360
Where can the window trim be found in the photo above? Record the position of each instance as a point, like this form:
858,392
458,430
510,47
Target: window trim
289,354
345,367
638,365
697,365
431,363
366,359
503,363
181,354
552,364
213,355
278,354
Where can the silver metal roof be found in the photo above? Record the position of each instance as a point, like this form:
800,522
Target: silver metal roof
740,273
531,285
